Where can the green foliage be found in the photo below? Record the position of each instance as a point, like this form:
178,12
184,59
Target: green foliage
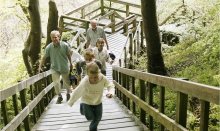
66,36
198,61
214,117
192,122
13,72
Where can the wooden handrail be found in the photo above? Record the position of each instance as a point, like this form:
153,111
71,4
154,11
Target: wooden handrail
201,91
81,7
184,89
13,124
5,93
79,32
169,123
124,2
34,104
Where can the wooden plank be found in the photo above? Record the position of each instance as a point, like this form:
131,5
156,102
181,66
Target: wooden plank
205,92
115,126
134,128
85,126
76,116
72,120
71,125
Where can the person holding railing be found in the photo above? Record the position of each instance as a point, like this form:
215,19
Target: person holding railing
59,54
93,33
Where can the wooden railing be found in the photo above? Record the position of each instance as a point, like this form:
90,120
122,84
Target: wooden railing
34,95
133,45
125,81
72,19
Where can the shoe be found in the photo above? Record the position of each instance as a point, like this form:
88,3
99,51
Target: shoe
59,99
67,97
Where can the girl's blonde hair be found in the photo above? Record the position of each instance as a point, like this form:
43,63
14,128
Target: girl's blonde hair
92,68
99,40
89,52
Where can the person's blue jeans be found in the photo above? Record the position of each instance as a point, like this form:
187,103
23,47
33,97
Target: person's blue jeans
93,113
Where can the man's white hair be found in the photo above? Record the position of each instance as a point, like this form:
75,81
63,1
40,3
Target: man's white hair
55,32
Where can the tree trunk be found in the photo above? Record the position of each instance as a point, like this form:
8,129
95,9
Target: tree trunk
32,47
52,20
24,9
155,60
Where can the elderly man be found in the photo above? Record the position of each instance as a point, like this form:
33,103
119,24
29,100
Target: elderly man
59,54
93,33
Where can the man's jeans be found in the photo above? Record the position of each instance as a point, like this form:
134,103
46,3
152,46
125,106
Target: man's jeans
92,112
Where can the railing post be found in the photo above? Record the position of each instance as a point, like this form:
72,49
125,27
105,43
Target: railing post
181,112
125,57
41,101
102,7
150,102
204,115
4,112
134,39
138,43
127,10
133,92
47,95
83,13
142,34
113,22
34,110
78,41
117,81
162,103
142,96
36,91
15,105
128,88
23,105
124,85
61,25
119,62
114,78
125,28
131,46
87,25
120,82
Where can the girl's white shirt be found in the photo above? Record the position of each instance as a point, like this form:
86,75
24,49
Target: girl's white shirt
90,94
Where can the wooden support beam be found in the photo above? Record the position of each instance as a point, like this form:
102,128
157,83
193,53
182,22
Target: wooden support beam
102,7
181,112
4,112
23,105
15,105
162,104
204,118
142,97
